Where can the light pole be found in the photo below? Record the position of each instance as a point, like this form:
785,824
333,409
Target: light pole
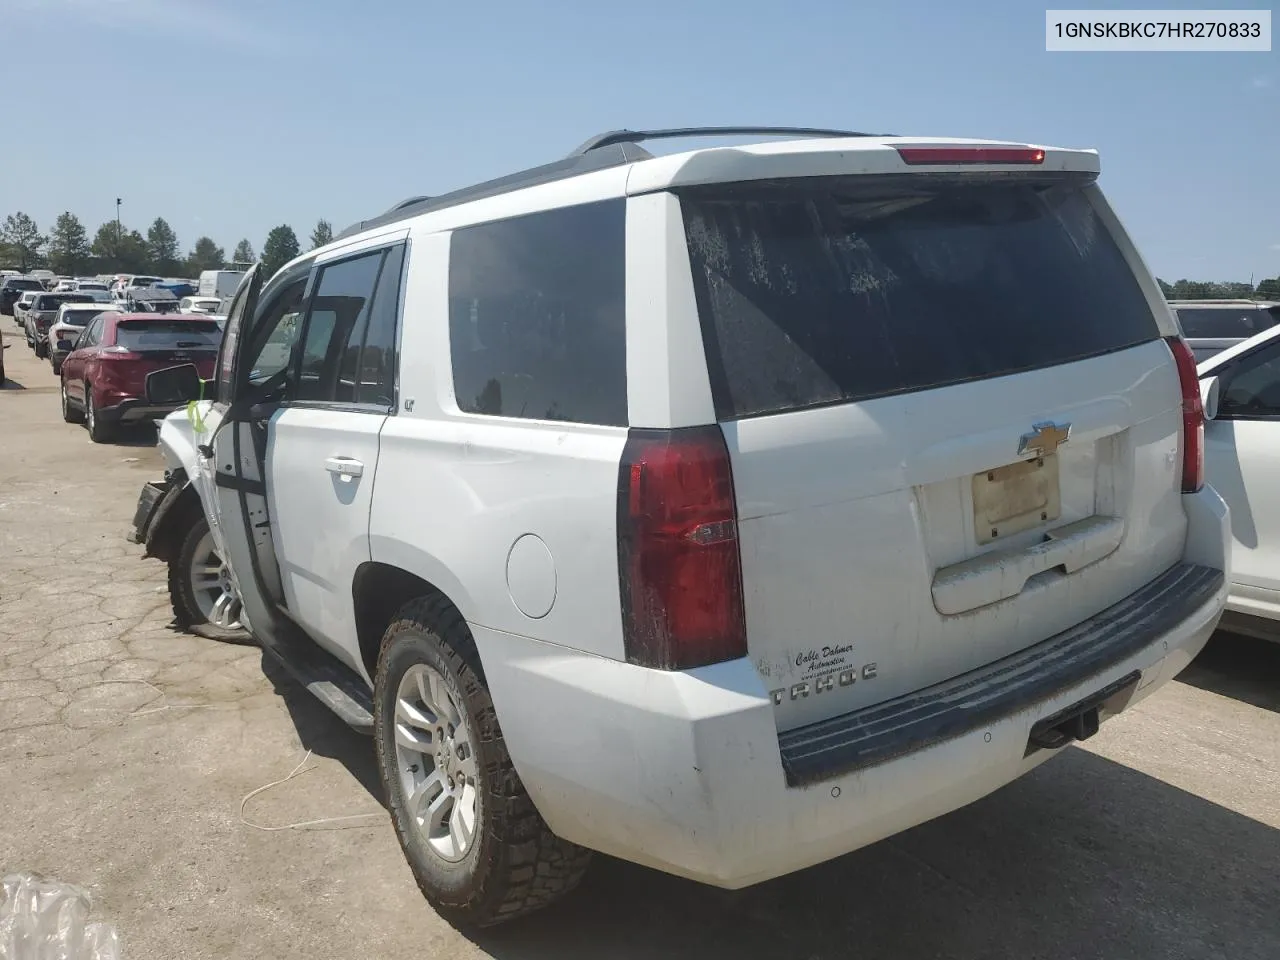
118,236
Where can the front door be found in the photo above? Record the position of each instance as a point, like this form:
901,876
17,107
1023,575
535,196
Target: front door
1242,462
252,379
322,449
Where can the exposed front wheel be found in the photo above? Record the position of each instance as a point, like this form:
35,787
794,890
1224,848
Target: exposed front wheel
204,597
478,848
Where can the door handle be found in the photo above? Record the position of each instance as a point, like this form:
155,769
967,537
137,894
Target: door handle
344,466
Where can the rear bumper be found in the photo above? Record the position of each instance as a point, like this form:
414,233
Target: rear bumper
686,772
135,411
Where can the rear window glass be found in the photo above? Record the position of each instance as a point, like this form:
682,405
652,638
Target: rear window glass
24,284
167,335
1212,323
537,316
829,290
78,318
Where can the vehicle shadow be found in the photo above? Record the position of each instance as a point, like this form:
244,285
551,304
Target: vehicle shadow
1242,668
11,384
1082,858
322,732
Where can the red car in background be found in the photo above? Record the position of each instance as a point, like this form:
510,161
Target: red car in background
104,375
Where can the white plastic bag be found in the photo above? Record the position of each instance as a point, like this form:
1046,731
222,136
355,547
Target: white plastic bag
46,920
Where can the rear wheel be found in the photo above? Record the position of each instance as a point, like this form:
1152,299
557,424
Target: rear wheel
480,851
204,597
70,412
99,431
42,350
57,367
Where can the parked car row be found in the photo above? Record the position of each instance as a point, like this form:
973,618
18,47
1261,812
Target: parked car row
102,350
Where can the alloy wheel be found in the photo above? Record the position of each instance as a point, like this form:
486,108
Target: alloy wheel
214,590
437,763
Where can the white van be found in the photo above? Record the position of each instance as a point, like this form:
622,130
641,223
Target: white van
724,511
219,283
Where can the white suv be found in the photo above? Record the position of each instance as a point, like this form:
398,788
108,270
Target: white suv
724,511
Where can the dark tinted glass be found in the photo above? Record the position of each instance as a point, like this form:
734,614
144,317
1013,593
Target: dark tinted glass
339,309
378,360
1253,385
1212,323
827,290
24,284
537,316
145,335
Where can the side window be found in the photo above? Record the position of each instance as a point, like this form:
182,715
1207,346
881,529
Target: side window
336,327
1253,385
277,328
91,335
537,316
377,377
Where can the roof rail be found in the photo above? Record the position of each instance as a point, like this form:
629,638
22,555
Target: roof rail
605,150
636,136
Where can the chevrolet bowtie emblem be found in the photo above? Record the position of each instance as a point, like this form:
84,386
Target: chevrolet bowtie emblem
1044,438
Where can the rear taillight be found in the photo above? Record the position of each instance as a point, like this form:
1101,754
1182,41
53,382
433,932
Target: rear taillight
119,353
1192,416
678,564
977,154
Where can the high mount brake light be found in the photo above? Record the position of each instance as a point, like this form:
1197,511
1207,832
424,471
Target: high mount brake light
679,569
943,155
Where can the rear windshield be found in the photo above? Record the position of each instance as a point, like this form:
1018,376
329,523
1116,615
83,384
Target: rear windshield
78,318
24,284
828,290
1212,323
167,335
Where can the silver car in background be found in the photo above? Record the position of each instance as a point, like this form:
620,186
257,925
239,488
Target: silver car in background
1211,326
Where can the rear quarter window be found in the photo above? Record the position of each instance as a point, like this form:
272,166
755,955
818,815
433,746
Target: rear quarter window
830,290
537,316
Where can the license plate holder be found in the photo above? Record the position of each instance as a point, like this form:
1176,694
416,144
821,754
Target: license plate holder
1015,497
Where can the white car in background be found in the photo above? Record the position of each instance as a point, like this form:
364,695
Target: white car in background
71,320
22,305
199,304
1241,391
89,285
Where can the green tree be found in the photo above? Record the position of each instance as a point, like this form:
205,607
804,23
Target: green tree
243,253
1165,288
1269,289
322,234
23,240
162,247
120,249
206,255
68,245
280,248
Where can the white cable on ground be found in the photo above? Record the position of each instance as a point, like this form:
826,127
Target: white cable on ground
297,772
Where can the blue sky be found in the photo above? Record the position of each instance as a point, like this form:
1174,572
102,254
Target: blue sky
252,113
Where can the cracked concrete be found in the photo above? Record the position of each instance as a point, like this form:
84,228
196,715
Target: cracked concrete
1159,839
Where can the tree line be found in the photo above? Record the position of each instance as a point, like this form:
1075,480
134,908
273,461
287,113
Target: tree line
1222,290
68,251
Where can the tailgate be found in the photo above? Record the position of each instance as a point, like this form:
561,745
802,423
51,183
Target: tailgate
953,426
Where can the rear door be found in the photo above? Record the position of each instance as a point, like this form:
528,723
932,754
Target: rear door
1242,462
953,424
322,451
